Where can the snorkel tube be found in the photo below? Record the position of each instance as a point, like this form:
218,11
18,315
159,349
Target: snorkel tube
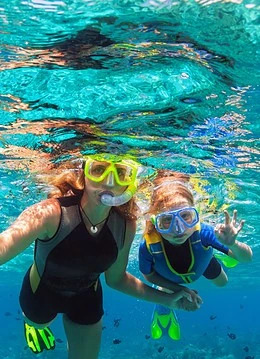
111,201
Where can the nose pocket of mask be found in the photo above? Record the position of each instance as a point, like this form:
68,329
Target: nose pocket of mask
178,226
110,179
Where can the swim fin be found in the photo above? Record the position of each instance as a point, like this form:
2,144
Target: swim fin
164,320
39,339
228,262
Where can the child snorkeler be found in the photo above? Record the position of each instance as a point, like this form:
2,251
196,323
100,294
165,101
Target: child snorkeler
177,249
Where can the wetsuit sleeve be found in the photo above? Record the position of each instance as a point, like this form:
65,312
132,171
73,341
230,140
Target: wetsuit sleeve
208,238
145,259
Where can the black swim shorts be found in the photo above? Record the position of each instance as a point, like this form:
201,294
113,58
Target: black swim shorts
43,305
213,269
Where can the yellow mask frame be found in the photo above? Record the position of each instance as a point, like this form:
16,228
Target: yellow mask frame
98,167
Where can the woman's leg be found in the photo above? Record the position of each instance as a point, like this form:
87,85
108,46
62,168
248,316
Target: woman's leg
83,340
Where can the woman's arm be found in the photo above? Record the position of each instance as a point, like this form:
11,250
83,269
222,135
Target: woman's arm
117,278
227,232
37,221
157,279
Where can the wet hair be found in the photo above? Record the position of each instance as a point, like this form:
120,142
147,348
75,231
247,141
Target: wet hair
72,183
169,188
67,183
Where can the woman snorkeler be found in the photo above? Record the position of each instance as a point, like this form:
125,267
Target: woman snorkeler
84,228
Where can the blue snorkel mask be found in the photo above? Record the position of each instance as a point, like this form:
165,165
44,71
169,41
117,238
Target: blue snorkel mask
175,222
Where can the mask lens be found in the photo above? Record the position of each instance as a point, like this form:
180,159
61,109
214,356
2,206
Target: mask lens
97,170
164,221
124,173
188,216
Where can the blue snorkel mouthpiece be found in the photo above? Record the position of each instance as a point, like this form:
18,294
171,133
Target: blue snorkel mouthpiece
111,201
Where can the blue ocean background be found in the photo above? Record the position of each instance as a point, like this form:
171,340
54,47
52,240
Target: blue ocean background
173,83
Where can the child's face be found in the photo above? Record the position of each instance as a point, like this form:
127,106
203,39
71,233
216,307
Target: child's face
186,232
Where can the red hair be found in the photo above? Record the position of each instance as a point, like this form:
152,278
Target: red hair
72,183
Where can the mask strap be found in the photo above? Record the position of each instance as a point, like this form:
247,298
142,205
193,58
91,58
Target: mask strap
152,219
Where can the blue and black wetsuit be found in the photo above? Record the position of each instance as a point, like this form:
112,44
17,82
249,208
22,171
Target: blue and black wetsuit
183,263
65,275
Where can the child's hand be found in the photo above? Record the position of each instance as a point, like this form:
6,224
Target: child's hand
182,300
191,302
228,231
195,297
186,304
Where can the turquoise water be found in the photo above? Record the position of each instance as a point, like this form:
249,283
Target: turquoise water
174,83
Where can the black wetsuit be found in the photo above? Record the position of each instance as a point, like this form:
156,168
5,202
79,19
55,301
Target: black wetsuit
68,267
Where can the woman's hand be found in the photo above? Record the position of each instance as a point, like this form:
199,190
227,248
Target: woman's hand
228,231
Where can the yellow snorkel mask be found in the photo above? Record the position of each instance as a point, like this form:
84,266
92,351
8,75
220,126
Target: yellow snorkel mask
98,167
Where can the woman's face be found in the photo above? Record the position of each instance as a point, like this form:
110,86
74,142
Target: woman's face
173,237
105,176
